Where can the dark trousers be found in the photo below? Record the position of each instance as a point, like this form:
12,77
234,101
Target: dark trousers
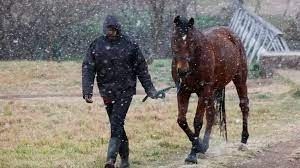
117,111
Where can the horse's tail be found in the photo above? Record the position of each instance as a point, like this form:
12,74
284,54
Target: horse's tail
242,50
221,110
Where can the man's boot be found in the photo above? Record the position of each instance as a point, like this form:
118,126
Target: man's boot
113,148
124,154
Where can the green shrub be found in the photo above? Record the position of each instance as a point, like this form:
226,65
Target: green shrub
206,21
255,71
296,94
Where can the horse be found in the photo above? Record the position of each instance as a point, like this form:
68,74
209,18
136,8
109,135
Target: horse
204,62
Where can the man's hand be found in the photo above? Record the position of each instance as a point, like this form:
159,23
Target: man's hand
157,94
88,98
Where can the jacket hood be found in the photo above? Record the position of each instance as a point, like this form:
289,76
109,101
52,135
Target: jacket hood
111,21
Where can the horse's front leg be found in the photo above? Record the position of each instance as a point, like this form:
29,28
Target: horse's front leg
183,101
210,115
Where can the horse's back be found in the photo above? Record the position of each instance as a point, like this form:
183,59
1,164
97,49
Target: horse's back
228,53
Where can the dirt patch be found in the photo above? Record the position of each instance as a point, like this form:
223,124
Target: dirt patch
283,155
281,149
292,75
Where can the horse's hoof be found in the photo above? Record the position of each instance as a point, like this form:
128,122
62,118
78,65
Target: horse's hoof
243,147
191,159
204,148
199,146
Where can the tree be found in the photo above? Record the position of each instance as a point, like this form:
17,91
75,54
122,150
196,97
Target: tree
257,6
48,28
235,4
39,27
157,8
288,2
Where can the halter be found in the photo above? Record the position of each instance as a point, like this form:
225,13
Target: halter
188,59
179,57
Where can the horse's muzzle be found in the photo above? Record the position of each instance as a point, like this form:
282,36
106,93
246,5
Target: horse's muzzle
182,72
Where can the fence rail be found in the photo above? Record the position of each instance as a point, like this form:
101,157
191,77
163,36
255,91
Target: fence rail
256,34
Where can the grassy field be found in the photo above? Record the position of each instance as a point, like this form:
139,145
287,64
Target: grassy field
66,132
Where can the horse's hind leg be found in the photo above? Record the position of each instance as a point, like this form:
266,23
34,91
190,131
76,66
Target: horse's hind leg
218,96
208,101
198,123
198,120
241,87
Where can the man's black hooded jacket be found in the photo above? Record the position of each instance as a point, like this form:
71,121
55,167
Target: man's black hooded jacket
116,64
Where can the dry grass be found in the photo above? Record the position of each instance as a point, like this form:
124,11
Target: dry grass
66,132
42,77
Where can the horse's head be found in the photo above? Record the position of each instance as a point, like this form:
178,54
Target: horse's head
182,39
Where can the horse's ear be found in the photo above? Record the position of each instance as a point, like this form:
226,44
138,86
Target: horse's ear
191,22
177,19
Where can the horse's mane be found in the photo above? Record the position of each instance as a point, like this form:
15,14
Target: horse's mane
198,39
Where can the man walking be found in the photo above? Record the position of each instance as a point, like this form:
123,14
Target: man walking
116,62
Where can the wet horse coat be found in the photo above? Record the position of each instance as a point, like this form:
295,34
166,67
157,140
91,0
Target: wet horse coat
203,63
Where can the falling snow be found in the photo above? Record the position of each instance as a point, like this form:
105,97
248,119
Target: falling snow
64,30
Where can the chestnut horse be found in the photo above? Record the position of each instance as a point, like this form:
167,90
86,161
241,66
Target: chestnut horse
203,63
